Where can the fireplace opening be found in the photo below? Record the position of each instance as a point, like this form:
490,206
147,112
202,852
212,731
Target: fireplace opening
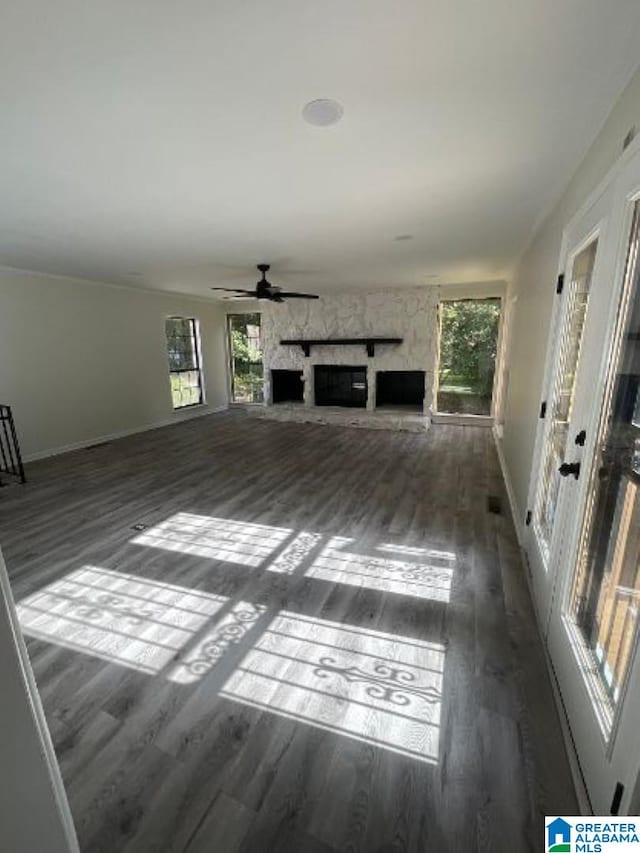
340,385
400,389
287,386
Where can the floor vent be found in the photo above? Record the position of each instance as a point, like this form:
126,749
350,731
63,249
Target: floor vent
494,505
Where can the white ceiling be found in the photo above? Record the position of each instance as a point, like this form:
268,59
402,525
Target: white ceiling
165,139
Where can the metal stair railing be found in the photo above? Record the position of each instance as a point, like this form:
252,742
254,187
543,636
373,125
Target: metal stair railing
10,458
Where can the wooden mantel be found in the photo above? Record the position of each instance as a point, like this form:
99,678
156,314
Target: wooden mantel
369,343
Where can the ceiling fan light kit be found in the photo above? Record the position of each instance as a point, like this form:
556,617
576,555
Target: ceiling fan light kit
265,290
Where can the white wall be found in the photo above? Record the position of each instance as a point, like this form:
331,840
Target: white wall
533,290
80,360
34,814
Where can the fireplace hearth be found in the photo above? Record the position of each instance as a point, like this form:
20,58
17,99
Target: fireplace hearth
340,385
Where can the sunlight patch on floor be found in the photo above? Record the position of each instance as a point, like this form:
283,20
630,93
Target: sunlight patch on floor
379,688
384,689
401,569
419,578
241,542
435,555
118,617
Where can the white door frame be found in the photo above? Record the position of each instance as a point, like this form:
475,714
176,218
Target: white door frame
34,812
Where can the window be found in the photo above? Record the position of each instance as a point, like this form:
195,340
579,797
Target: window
184,362
560,404
245,352
468,347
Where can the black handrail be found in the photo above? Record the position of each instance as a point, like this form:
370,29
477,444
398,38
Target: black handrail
10,458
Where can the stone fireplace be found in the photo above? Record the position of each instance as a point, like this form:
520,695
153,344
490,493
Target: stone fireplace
343,379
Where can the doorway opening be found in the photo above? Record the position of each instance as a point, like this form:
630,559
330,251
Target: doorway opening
468,348
245,353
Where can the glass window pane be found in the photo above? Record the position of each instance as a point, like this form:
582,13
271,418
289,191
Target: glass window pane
468,347
184,365
605,594
561,398
181,343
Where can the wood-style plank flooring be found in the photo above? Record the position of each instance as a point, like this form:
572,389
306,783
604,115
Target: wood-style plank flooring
321,640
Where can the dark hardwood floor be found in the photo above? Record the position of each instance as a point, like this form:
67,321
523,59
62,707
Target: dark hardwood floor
322,640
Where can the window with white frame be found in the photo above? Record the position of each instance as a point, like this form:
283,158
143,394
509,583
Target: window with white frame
185,371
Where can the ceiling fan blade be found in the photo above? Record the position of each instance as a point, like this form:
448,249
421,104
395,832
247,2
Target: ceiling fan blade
289,295
234,290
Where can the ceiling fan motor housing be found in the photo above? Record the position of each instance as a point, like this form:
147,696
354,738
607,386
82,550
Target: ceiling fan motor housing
263,288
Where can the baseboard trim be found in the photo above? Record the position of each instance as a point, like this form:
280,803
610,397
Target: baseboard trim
580,788
101,439
511,495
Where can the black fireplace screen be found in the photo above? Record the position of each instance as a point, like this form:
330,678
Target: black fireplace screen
340,385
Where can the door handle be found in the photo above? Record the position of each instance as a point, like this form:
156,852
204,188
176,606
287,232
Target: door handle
569,468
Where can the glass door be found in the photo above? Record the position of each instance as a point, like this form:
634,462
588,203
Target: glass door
245,357
593,626
467,358
558,444
559,407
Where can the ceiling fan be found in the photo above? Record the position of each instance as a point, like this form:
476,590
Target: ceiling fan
266,290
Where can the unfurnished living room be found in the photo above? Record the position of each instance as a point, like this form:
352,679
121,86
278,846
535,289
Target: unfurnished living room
319,426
